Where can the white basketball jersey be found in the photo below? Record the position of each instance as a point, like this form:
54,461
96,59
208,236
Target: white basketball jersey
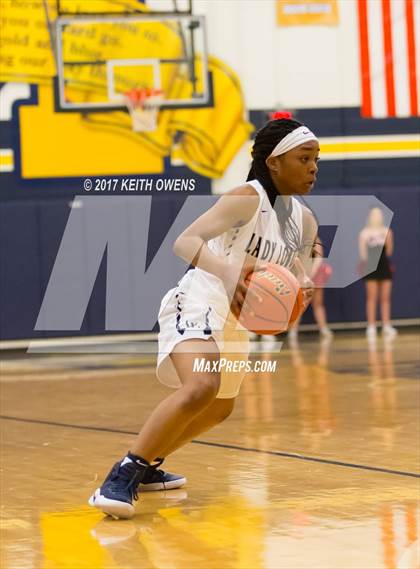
260,238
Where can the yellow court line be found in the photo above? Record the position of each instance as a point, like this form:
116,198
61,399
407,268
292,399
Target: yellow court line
369,146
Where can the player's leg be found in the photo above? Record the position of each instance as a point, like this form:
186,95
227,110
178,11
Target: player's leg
173,414
158,479
165,424
371,302
214,414
385,303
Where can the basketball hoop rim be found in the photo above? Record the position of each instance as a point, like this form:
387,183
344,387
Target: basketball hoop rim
143,98
143,105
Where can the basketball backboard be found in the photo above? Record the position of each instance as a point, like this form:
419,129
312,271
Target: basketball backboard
101,57
122,7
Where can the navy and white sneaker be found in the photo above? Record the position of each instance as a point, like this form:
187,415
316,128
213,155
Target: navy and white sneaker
116,495
156,479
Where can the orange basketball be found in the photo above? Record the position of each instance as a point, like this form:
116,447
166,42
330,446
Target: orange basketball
282,300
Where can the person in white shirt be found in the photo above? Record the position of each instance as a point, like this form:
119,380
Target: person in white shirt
254,223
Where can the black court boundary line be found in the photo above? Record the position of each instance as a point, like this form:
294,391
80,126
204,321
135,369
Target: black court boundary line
223,445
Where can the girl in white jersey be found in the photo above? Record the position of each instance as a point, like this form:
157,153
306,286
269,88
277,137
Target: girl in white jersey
257,222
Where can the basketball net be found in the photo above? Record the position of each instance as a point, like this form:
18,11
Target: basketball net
143,105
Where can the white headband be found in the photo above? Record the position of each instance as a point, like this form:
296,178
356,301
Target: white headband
293,139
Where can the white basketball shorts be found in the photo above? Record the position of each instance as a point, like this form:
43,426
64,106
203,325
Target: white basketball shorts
183,317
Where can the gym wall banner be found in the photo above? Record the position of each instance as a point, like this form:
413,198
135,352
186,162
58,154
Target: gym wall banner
307,12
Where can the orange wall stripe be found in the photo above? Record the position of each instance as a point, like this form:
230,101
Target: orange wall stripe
411,60
388,57
364,59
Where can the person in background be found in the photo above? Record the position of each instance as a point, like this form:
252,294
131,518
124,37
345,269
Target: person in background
321,273
376,245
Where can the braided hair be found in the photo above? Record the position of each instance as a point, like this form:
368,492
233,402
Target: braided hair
265,141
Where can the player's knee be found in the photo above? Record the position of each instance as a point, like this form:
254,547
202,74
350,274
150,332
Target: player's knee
200,394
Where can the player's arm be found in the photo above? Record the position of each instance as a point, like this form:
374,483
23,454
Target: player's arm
311,247
304,261
317,256
234,209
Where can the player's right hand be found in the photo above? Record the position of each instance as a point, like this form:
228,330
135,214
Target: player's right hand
238,292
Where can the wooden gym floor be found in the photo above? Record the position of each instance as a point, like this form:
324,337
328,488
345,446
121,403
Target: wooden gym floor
316,469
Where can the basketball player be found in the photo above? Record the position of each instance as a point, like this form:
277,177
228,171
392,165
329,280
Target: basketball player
199,318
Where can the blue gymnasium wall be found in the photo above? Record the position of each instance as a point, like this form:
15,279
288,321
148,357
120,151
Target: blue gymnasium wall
34,213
